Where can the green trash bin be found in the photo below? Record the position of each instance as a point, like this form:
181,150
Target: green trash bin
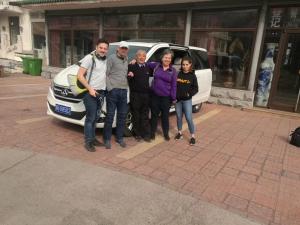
35,66
25,63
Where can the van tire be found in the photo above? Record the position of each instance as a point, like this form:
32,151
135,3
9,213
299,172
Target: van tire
197,108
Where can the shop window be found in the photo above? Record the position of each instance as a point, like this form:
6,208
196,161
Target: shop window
14,29
163,20
225,19
121,21
228,55
228,37
154,26
120,35
293,18
38,32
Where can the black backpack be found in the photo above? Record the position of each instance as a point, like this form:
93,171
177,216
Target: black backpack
295,137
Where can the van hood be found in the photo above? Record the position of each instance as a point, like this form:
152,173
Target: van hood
61,78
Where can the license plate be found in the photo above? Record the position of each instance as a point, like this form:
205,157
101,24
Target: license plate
63,109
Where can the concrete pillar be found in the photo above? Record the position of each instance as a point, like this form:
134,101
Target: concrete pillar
258,45
26,34
188,26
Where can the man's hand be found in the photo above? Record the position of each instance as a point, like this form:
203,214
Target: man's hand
132,61
130,74
93,92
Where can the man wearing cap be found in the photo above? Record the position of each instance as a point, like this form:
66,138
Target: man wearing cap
116,99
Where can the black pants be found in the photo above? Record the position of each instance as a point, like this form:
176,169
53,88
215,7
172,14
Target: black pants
139,104
160,104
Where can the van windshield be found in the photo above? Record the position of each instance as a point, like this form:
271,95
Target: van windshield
131,53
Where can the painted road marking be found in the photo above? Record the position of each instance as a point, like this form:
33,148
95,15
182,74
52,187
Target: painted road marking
144,146
23,96
32,120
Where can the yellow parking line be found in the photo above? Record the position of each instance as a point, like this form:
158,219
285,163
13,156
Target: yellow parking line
32,120
23,96
143,147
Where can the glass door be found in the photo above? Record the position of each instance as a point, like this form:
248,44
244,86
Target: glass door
285,94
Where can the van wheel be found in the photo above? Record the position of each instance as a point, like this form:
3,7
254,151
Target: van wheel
128,125
196,108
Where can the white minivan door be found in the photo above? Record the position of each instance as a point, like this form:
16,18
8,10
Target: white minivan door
203,73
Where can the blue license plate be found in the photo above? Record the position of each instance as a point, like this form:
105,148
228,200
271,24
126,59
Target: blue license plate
65,110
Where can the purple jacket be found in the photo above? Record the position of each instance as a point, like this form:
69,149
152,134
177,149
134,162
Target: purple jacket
164,82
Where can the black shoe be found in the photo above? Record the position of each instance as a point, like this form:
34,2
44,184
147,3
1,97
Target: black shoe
147,139
178,136
121,143
89,147
167,138
138,138
97,143
192,141
107,144
152,137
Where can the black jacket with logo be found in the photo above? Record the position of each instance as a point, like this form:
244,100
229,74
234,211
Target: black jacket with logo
187,85
140,81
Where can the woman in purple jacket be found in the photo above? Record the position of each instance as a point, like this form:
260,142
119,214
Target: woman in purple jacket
163,92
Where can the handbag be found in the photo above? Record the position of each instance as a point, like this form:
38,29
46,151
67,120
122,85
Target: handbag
75,85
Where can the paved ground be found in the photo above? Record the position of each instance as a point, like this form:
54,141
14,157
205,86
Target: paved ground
242,162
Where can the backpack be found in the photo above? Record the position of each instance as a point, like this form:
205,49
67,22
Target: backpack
295,137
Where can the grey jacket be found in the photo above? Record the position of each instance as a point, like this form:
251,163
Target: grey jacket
116,73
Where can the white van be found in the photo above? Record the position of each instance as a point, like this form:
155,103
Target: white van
63,105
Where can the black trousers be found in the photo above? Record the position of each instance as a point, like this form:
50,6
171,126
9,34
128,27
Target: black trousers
160,104
139,104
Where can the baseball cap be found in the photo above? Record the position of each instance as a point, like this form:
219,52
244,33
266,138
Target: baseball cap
123,44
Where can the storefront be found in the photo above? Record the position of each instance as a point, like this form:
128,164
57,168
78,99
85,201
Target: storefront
279,73
253,46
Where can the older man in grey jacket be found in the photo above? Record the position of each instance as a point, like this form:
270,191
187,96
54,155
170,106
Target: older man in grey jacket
117,87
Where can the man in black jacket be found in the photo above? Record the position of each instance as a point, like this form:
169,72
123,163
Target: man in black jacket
138,80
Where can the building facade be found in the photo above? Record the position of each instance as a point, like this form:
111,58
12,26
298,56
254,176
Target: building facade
253,45
15,30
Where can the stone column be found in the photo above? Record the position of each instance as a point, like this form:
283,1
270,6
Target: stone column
257,46
188,27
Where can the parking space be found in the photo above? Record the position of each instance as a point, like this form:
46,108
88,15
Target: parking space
241,162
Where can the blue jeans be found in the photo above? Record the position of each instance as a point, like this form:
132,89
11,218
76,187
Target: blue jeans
116,99
92,106
186,108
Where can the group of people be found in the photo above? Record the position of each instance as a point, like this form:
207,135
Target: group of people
111,76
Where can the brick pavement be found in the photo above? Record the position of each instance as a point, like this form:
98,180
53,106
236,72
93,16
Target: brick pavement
242,161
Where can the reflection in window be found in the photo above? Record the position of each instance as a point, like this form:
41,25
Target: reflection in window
121,21
154,26
225,19
161,20
228,56
293,19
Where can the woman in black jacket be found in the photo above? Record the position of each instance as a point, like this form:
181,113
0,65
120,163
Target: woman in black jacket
187,86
